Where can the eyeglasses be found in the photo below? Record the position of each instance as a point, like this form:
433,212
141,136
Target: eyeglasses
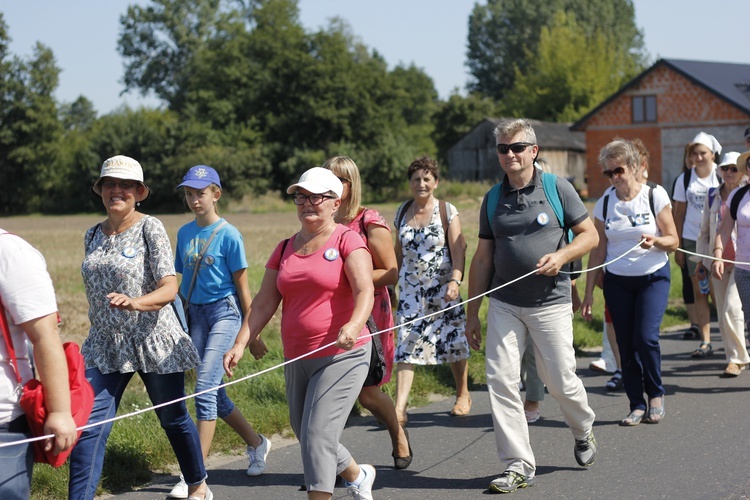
315,199
727,168
123,185
344,179
516,147
614,172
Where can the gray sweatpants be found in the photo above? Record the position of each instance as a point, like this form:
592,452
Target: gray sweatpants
320,393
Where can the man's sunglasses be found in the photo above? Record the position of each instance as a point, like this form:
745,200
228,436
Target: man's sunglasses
615,171
727,168
516,147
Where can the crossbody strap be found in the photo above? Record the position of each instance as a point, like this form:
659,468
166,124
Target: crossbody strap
199,260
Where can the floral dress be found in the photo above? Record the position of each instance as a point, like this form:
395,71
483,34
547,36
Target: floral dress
122,341
423,279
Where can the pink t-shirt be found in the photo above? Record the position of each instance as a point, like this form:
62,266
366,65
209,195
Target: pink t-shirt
316,296
742,250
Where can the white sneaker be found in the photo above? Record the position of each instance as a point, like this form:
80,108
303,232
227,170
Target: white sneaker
180,489
209,495
257,457
600,365
364,490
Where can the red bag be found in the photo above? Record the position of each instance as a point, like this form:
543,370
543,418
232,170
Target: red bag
81,403
32,398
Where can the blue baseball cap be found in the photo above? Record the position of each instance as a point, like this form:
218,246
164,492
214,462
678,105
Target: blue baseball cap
200,177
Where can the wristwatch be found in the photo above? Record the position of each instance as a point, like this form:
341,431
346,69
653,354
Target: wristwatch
458,282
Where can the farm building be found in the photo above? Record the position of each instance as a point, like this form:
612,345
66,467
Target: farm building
666,106
473,157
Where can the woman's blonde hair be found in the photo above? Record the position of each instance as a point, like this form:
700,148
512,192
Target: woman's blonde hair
346,170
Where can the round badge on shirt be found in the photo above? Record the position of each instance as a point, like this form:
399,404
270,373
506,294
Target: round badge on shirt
542,219
331,254
129,252
209,260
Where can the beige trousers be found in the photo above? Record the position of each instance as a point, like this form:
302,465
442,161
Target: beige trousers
549,330
731,318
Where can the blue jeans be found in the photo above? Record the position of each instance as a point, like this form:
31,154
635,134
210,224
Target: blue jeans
213,328
87,458
16,464
636,306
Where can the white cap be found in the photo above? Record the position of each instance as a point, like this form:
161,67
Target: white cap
318,180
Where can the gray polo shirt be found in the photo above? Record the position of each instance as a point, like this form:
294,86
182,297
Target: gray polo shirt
522,236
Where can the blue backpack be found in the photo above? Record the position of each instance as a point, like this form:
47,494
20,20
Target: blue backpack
549,184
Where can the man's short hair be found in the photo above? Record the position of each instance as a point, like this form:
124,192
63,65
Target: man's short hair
509,128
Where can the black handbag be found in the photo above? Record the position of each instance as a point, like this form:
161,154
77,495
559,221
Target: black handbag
377,358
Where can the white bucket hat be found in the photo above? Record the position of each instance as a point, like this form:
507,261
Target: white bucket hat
121,167
318,180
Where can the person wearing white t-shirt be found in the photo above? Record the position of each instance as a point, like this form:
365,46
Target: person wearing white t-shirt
28,303
688,213
636,287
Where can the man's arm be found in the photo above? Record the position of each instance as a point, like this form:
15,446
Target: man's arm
584,240
479,280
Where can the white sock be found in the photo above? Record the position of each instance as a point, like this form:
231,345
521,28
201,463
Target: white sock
360,478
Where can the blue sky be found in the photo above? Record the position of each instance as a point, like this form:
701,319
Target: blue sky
429,33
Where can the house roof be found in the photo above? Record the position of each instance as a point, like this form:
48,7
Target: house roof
728,81
551,135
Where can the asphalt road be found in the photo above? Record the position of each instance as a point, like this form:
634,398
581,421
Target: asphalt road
700,451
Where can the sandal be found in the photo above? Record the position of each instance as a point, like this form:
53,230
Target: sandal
632,419
705,350
615,383
655,414
462,406
691,333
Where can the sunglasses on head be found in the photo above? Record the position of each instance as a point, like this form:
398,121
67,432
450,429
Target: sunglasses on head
729,168
516,147
615,171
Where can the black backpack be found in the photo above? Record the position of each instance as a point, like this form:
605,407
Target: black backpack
650,184
741,192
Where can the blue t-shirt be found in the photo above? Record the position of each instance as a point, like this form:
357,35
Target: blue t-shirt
225,255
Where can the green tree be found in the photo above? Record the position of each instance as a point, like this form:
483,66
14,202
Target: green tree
570,74
504,36
30,130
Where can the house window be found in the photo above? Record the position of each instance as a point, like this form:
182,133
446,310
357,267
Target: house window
644,108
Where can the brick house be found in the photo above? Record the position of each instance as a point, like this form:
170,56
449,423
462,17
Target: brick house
474,158
666,106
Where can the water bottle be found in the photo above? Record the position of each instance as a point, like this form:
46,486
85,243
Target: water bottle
703,280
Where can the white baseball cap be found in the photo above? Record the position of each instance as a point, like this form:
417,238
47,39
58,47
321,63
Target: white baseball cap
318,180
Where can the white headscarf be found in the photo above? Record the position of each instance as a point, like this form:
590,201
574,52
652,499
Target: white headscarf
707,140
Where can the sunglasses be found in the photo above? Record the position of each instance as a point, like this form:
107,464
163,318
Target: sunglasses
516,147
614,172
123,185
344,179
315,199
727,168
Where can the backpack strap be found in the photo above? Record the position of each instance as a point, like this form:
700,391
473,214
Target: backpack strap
549,183
493,196
605,207
446,224
653,186
735,206
686,179
401,213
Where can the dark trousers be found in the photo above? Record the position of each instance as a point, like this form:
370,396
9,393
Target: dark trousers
636,305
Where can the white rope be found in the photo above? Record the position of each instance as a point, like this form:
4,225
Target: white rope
257,374
714,258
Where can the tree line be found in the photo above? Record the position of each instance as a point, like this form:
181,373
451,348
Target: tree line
247,89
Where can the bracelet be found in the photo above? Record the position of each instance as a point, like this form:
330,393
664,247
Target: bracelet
458,282
721,249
